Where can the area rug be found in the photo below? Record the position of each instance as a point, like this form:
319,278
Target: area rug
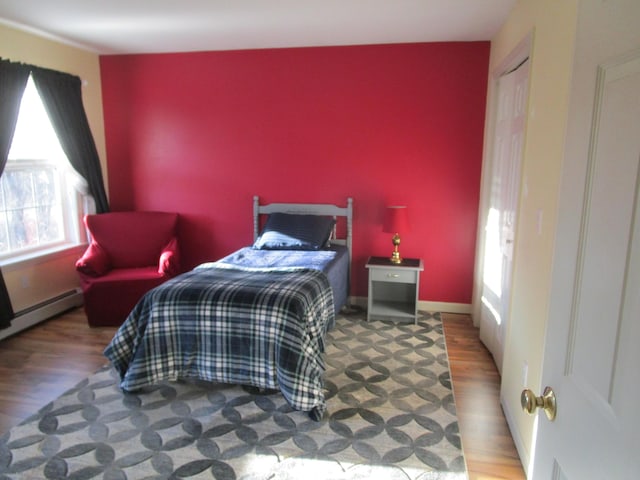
391,415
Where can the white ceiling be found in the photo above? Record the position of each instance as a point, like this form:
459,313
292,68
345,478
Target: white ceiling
149,26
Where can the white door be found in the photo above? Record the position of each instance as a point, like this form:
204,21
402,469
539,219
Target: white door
592,349
500,219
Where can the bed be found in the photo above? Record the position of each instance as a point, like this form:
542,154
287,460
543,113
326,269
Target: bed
256,317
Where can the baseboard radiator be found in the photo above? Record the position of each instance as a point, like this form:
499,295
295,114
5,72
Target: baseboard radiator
42,311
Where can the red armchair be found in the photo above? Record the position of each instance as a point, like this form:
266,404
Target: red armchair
129,254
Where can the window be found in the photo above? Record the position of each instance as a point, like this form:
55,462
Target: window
39,197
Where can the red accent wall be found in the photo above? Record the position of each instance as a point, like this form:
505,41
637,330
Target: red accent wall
201,133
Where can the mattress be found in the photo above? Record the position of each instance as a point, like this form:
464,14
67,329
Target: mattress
333,262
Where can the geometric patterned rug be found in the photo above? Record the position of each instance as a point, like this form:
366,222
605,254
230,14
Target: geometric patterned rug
391,415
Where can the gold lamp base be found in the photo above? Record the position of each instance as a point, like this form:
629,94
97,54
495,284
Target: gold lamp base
395,256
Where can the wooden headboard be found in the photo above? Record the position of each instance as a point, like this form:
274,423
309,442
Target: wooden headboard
334,211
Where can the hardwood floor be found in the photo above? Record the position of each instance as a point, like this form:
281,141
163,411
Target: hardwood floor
39,364
486,440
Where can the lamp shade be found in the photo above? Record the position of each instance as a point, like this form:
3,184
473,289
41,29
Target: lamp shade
396,219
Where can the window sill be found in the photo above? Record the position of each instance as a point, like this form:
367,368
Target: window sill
42,256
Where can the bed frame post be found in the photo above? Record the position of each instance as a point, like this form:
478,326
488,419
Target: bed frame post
256,222
349,243
349,224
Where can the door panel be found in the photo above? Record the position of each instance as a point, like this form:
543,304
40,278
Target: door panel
608,242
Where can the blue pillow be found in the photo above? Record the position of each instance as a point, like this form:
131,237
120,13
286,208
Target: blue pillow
286,231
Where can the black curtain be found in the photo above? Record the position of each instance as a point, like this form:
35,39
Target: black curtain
13,79
61,94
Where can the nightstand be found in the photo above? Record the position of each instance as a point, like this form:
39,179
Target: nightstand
393,288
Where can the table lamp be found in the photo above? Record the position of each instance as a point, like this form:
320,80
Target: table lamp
395,221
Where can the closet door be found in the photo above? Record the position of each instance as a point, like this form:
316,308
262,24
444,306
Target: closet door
500,220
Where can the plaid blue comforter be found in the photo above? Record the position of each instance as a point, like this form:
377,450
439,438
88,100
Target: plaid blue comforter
249,326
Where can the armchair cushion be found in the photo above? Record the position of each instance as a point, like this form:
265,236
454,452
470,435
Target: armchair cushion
94,262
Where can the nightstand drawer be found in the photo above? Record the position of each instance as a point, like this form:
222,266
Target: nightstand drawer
393,275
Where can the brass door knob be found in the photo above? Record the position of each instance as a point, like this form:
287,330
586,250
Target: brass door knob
547,402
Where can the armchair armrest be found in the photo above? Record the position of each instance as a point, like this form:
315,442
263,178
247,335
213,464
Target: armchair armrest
169,263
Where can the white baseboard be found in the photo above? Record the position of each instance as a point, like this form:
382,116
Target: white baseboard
445,307
463,308
42,311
